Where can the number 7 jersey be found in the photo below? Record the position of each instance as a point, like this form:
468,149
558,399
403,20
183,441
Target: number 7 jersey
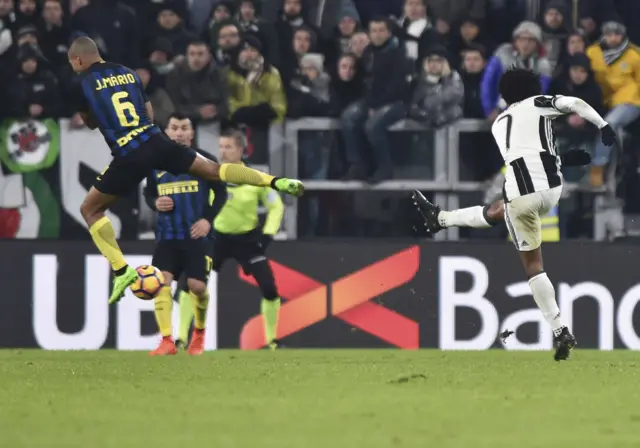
114,97
525,137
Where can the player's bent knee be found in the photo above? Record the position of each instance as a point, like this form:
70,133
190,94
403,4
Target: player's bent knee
197,287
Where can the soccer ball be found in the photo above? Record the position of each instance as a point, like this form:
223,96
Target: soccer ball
150,281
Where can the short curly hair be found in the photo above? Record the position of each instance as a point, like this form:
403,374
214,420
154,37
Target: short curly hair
518,84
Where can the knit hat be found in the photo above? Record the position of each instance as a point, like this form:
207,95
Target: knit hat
27,29
173,6
436,50
26,52
579,60
614,27
251,41
530,28
558,5
162,44
316,60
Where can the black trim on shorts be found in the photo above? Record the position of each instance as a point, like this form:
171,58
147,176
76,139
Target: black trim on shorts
523,177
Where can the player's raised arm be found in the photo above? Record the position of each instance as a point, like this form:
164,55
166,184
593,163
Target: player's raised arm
570,104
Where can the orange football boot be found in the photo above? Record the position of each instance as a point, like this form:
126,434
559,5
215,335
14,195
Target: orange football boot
166,347
196,347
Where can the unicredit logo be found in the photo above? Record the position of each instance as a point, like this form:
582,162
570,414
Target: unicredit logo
308,301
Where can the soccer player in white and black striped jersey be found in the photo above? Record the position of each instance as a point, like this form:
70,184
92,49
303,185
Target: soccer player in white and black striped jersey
533,182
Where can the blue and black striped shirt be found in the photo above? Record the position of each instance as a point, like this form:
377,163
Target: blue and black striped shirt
190,197
114,97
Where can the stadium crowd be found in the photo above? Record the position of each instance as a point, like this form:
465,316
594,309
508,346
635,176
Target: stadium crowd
368,63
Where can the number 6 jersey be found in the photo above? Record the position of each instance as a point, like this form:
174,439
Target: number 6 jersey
114,97
525,137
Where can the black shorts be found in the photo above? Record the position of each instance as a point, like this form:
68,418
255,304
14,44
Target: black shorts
245,249
189,257
124,174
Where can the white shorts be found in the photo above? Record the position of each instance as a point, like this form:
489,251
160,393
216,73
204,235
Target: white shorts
522,216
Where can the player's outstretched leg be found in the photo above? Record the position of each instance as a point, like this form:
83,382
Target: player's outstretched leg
270,304
239,174
199,295
104,237
163,306
479,217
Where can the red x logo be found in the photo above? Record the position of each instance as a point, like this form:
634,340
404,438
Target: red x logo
350,301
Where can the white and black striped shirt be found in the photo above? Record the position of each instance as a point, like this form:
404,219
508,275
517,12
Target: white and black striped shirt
525,137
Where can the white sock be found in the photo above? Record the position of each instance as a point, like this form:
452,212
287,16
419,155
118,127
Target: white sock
545,296
464,217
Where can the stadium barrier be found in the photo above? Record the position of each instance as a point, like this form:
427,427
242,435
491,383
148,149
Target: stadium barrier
453,296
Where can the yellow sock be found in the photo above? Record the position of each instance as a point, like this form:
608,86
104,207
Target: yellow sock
104,238
237,173
163,305
200,305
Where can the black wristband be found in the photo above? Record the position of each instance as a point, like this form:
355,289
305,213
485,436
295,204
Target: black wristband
273,183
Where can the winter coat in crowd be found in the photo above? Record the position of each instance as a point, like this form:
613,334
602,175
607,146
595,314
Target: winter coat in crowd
460,43
619,77
438,100
386,73
368,9
311,97
160,100
256,99
178,36
37,88
554,38
114,27
589,91
507,56
417,36
472,100
346,92
189,90
54,42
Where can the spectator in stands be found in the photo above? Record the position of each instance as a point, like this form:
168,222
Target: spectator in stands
470,34
34,93
382,106
114,28
160,101
575,43
525,51
471,72
616,65
27,12
287,24
593,13
572,130
358,43
439,95
161,58
200,12
55,33
197,85
304,41
27,34
416,32
251,23
170,25
347,85
310,93
341,39
555,31
450,12
220,15
256,94
229,42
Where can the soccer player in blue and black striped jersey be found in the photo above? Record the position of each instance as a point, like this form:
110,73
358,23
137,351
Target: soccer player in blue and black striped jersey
111,97
183,236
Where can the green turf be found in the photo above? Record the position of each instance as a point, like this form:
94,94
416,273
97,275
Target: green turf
296,398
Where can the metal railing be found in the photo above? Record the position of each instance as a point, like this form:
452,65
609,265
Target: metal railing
446,183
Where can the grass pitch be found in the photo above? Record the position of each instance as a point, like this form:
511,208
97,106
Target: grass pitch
298,398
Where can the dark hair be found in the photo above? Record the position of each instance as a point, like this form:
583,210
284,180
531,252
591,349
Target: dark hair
476,47
518,84
179,116
198,42
236,134
382,19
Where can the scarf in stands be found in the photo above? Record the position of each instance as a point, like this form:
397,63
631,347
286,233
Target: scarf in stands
611,55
